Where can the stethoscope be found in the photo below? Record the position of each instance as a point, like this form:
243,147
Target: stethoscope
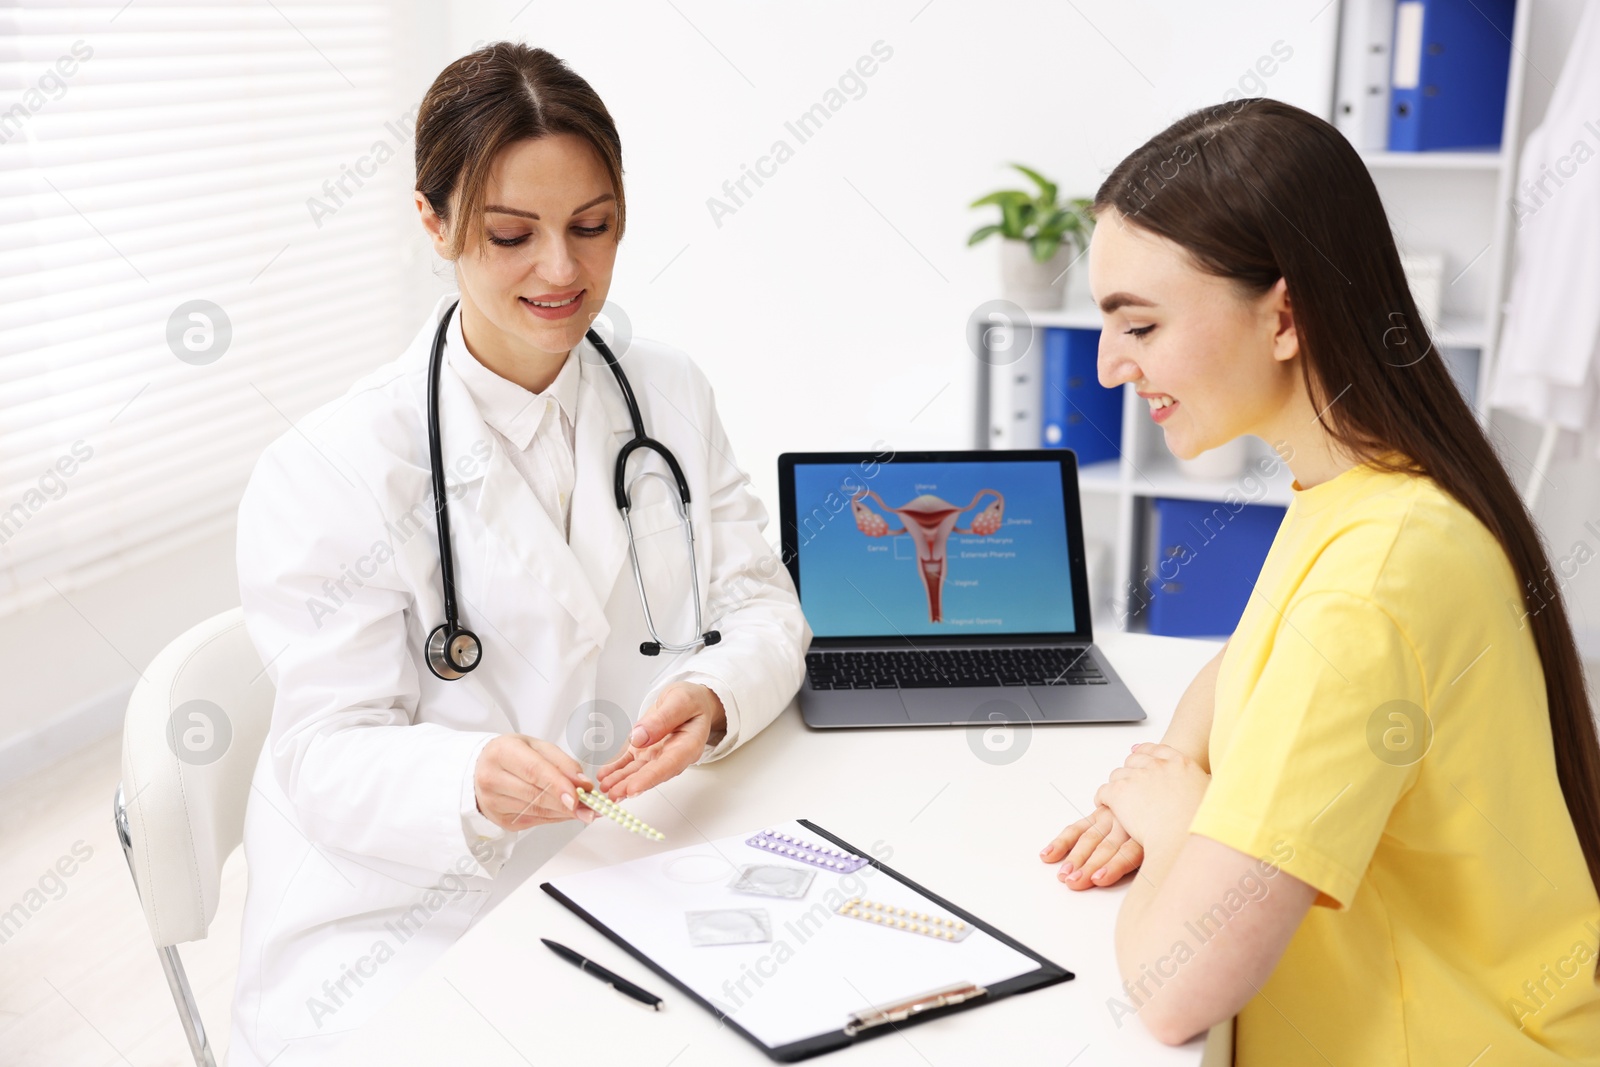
454,650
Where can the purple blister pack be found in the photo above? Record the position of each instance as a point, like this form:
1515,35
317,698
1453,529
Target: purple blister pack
799,848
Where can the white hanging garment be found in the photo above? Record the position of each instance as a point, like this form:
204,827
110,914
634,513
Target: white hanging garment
1548,368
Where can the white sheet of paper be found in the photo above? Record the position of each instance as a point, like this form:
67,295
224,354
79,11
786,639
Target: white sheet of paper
820,966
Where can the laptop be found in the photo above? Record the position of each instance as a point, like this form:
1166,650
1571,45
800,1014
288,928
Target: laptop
944,589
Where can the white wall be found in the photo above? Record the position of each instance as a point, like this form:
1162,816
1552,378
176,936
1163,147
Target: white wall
829,308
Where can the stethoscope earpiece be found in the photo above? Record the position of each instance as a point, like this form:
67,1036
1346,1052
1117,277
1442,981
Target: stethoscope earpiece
454,651
653,648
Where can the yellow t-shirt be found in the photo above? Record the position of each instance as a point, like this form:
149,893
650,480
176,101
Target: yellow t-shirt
1381,733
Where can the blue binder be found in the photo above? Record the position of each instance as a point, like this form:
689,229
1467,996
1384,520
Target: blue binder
1206,560
1076,412
1452,59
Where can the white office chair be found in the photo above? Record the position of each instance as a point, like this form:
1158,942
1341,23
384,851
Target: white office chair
195,726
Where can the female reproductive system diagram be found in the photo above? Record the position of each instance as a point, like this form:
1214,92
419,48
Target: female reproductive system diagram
930,521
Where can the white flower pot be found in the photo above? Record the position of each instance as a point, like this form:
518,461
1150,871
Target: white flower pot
1030,284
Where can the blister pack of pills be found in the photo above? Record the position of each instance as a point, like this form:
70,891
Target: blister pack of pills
619,815
938,927
792,847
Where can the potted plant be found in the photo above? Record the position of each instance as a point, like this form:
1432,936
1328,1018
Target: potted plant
1042,236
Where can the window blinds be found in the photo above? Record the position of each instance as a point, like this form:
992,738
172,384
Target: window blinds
203,211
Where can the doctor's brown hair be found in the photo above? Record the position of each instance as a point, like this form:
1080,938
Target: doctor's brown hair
1255,190
500,94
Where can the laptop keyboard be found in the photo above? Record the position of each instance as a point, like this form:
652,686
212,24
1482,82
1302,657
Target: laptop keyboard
937,667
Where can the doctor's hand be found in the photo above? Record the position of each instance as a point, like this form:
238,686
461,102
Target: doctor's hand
522,781
665,740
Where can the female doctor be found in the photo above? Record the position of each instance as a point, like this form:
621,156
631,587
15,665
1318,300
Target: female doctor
424,755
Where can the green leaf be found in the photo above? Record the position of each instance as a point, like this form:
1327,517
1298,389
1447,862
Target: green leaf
1011,219
1002,198
980,233
1047,188
1081,211
1057,222
1041,220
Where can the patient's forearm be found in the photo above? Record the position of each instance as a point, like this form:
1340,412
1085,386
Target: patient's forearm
1190,730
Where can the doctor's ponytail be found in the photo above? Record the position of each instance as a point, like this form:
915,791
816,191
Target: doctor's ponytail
500,94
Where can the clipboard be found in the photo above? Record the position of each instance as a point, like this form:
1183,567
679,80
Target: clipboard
870,1020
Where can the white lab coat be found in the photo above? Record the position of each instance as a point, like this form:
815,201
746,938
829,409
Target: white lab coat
361,870
1548,367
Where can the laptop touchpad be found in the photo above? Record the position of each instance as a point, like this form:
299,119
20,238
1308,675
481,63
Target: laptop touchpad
971,706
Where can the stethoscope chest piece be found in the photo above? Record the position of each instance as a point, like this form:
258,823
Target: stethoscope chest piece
453,653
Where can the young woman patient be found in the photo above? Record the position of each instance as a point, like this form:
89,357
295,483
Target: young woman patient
1373,828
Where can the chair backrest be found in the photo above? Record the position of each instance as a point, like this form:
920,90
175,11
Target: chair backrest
195,726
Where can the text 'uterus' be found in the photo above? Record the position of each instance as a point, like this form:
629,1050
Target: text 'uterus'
930,521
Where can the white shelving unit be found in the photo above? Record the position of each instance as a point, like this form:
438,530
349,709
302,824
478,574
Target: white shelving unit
1455,202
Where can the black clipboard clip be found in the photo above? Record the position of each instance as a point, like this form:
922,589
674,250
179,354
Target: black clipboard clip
900,1010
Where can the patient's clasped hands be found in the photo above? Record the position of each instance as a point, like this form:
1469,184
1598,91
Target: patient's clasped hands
1152,797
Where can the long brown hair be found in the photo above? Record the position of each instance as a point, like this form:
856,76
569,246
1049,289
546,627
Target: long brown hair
502,93
1255,190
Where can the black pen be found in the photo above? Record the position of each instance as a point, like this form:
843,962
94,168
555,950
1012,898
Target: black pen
615,981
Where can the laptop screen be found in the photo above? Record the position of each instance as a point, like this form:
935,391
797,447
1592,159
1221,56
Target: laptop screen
934,545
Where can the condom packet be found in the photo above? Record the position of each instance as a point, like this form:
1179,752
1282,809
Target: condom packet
728,926
773,880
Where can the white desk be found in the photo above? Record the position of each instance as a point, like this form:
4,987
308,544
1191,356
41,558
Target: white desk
967,827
